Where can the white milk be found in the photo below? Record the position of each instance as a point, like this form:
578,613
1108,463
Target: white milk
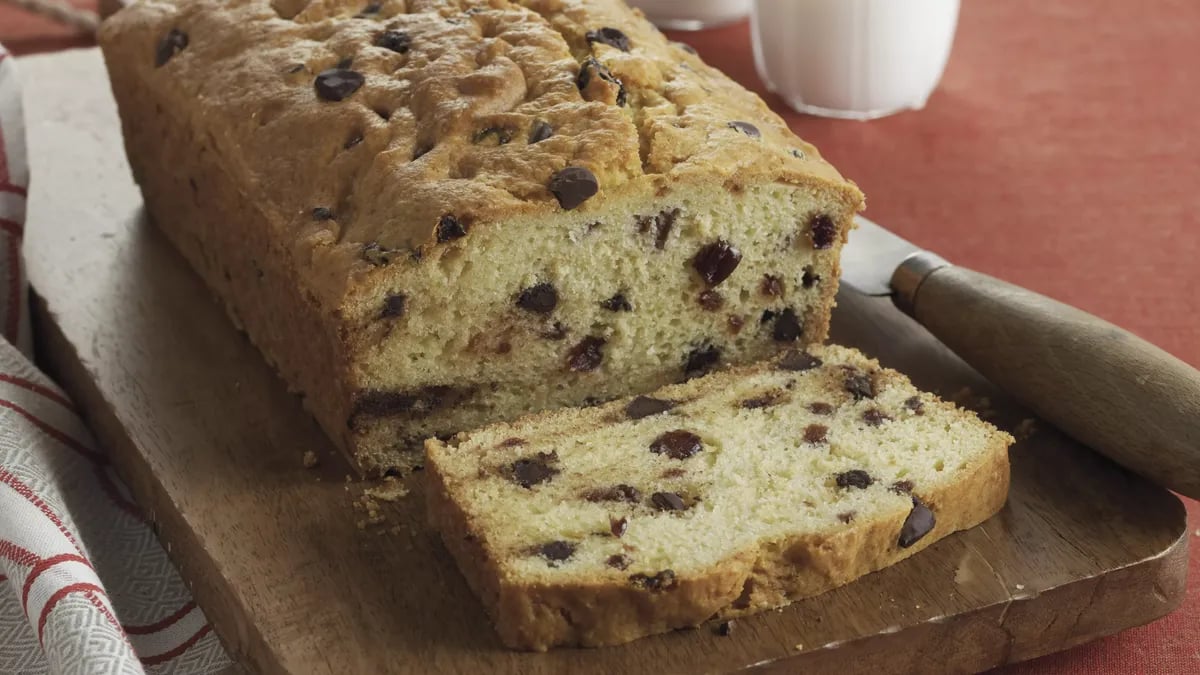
853,58
693,14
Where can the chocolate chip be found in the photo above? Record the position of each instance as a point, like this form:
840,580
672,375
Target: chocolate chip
609,36
914,404
352,141
677,444
573,186
855,478
662,224
820,408
645,406
587,355
847,516
787,327
725,628
662,581
592,68
393,306
685,47
171,44
735,323
918,524
823,232
902,487
540,131
449,228
716,261
541,299
372,8
667,501
557,551
337,84
555,331
798,361
617,303
374,403
746,128
860,385
322,213
375,254
498,135
771,286
701,360
797,153
395,40
618,560
809,279
875,417
531,471
512,442
764,401
711,300
815,433
616,493
618,526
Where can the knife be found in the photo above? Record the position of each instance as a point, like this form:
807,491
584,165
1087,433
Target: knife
1102,385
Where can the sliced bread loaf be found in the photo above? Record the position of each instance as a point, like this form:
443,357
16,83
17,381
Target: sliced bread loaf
725,495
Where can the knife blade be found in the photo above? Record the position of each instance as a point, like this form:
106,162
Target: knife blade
1102,385
870,257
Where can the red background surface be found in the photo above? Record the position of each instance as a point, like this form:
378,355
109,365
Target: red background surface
1061,152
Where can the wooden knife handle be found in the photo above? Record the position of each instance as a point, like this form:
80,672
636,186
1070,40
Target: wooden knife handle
1104,386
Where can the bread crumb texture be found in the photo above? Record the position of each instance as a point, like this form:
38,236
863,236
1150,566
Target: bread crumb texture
728,494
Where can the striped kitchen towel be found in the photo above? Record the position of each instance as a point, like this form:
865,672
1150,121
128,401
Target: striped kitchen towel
85,586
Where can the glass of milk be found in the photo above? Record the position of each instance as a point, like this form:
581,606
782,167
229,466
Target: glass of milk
856,59
693,14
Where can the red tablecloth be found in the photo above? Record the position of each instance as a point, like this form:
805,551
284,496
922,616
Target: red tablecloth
1062,152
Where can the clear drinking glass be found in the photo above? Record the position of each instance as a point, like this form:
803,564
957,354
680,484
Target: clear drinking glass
693,14
856,59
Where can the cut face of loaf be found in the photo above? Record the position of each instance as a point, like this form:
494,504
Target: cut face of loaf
435,214
726,495
598,306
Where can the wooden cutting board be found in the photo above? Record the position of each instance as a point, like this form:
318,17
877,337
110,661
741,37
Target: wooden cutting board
212,446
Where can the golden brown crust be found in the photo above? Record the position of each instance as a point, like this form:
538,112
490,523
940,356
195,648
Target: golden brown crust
499,66
596,609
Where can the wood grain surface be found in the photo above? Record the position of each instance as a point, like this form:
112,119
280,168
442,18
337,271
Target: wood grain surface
211,445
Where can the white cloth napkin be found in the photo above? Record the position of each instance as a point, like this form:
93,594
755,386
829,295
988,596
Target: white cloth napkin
85,586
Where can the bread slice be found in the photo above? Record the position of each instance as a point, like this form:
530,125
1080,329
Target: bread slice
726,495
434,214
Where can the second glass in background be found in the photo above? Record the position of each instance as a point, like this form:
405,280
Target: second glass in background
693,14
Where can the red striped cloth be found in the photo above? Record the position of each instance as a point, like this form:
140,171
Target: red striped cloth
85,586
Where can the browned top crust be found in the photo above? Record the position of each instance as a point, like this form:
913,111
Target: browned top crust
366,122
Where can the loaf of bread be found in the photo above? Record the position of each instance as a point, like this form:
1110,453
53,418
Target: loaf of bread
725,495
433,214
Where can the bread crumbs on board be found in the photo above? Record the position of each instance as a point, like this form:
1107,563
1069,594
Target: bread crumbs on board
1025,429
